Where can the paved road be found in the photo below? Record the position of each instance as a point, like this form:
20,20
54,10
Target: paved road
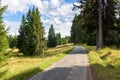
74,66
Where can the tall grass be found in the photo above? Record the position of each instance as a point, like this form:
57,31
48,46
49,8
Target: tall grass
21,68
105,63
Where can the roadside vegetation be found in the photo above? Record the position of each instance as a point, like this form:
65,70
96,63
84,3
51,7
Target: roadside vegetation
20,67
105,64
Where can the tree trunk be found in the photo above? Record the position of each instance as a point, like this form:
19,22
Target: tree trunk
100,28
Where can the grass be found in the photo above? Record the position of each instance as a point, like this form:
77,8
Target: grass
105,63
21,68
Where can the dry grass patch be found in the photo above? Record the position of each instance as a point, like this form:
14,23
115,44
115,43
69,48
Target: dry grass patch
106,63
20,68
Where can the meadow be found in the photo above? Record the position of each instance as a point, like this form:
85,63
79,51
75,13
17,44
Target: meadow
19,67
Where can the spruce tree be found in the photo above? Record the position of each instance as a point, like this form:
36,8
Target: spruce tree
22,35
58,37
90,14
91,21
51,37
77,33
12,41
31,33
109,19
3,34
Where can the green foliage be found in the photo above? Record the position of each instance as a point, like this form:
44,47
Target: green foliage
52,42
77,32
3,34
31,33
66,40
59,40
85,26
19,69
91,40
105,63
12,41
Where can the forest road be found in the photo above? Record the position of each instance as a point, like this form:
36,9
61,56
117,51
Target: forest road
74,66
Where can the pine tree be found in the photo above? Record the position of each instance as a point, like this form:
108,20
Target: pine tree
92,23
12,41
58,37
3,34
66,40
31,33
90,12
77,33
109,19
22,37
51,37
73,30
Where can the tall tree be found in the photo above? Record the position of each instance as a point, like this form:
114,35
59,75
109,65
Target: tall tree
66,40
109,19
51,37
31,33
22,35
58,37
77,33
100,28
3,33
12,41
98,19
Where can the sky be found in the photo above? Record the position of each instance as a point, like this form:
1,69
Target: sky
56,12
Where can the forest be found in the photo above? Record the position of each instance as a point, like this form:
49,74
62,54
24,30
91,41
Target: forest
85,27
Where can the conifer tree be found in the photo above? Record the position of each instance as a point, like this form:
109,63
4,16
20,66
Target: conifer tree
51,37
12,41
90,12
3,34
31,33
22,35
58,37
91,21
77,33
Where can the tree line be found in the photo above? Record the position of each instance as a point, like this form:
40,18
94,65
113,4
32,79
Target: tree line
56,39
31,40
85,26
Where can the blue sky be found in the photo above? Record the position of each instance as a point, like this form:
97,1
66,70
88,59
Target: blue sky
56,12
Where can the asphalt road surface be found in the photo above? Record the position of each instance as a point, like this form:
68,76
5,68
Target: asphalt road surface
75,66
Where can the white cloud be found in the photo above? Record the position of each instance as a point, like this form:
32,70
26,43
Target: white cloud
56,12
13,26
16,5
56,3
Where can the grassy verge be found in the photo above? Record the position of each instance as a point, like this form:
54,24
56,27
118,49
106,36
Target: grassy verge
89,48
105,63
21,68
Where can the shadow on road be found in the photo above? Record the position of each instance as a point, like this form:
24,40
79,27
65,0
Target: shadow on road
62,73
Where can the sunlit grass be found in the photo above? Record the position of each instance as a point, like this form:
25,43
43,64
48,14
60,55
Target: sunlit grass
106,63
20,68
